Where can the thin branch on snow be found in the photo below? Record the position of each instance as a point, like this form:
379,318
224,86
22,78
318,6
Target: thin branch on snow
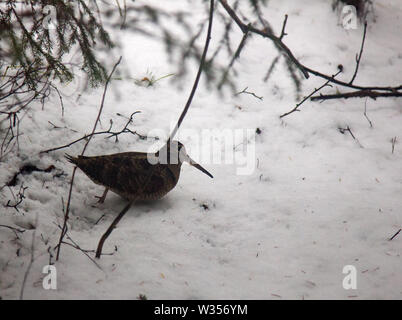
109,131
393,143
326,84
347,129
358,57
76,246
343,130
365,114
66,215
392,238
248,92
31,260
20,196
15,230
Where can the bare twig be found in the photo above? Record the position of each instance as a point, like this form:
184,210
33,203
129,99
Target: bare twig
12,228
21,197
365,114
197,78
102,104
100,218
358,94
353,86
296,108
393,142
75,246
343,130
11,134
248,92
15,230
31,260
283,33
109,131
66,215
390,239
348,129
358,57
60,97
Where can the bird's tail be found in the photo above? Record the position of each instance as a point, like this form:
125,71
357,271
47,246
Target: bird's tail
70,158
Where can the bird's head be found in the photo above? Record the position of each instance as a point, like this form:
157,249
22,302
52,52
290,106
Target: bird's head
175,153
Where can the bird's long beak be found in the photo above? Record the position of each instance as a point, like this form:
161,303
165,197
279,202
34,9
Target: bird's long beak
195,164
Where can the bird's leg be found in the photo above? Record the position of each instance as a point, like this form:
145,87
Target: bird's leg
103,197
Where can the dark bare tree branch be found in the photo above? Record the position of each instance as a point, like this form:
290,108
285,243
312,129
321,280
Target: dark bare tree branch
358,57
364,91
326,84
357,94
266,34
66,215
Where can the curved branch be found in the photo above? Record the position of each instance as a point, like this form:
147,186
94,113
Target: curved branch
66,215
304,69
197,78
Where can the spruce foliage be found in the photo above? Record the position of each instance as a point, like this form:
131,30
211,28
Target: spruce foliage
34,38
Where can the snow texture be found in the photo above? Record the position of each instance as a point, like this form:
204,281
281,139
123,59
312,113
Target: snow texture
316,201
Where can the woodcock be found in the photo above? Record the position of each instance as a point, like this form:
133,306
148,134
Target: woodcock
137,175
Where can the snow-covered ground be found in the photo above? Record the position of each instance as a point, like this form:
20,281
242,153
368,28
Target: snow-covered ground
316,201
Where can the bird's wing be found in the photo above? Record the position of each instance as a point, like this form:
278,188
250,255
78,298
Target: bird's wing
124,172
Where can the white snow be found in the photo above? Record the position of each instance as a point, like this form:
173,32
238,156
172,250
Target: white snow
317,200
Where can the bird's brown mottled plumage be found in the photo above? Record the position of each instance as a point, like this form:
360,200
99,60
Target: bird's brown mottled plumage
131,175
126,173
